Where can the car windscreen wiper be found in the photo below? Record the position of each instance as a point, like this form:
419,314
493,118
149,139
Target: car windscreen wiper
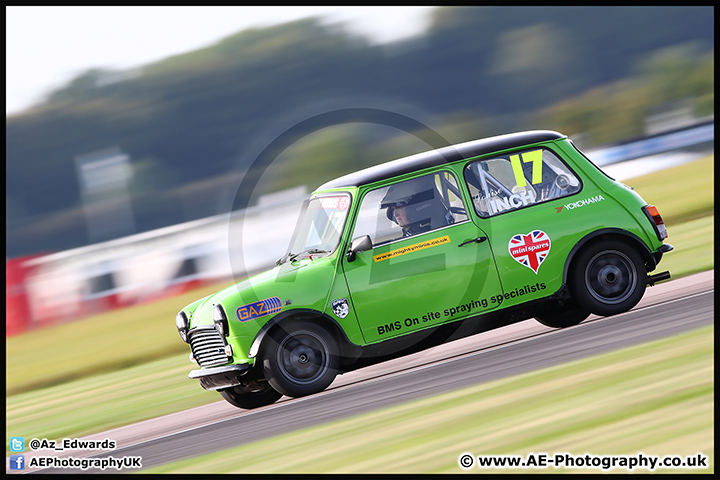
309,251
292,256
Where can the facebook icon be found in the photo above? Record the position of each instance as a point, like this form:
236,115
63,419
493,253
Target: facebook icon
17,462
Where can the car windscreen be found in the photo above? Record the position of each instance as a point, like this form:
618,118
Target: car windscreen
320,226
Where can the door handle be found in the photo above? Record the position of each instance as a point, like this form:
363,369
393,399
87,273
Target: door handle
474,240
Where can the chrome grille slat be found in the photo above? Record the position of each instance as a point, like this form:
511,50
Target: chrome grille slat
208,347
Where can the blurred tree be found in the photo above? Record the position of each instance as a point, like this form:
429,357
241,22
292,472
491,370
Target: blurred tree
702,83
667,78
319,157
678,73
527,63
666,71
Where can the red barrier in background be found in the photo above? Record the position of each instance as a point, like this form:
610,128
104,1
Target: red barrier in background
30,305
18,316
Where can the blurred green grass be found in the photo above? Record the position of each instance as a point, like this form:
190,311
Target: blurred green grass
681,193
694,243
132,336
97,344
105,401
656,398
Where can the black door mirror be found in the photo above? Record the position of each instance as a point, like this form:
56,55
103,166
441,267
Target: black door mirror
359,244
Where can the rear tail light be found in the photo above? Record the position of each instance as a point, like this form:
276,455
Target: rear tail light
652,213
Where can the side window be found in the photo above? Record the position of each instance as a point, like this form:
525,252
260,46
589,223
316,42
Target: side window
410,207
502,184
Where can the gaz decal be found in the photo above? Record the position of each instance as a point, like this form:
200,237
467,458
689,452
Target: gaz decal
530,249
258,309
412,248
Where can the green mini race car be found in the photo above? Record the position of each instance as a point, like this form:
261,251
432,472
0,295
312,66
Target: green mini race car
423,250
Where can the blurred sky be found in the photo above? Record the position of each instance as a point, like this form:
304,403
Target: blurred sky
48,46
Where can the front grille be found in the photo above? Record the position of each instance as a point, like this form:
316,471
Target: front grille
208,347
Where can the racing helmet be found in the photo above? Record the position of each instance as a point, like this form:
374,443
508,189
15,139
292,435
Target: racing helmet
417,195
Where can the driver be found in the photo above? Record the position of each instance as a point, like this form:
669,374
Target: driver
409,204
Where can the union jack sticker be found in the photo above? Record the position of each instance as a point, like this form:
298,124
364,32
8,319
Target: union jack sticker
530,249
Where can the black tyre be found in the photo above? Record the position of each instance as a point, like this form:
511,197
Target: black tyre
563,319
608,278
249,400
300,359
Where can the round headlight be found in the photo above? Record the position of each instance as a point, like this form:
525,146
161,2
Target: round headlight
181,322
220,320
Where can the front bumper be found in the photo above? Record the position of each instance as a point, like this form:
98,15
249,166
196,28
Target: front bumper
216,378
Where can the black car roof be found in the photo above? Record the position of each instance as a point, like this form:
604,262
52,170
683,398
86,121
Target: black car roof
441,156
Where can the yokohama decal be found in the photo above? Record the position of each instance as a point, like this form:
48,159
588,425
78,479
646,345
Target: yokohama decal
530,249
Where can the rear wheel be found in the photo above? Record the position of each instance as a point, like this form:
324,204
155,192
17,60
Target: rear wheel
608,278
300,358
251,399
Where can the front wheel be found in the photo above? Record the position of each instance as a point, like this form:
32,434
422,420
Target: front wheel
300,359
249,400
608,278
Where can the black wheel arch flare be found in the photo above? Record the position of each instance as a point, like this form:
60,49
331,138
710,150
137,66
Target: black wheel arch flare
306,314
607,234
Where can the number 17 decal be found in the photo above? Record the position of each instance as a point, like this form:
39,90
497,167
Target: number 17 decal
536,158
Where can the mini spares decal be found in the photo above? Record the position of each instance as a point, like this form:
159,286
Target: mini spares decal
259,309
411,248
530,249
